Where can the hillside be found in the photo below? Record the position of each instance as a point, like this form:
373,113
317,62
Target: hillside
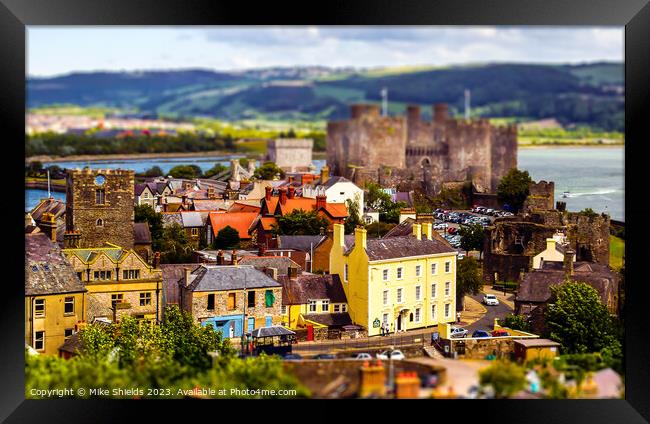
587,94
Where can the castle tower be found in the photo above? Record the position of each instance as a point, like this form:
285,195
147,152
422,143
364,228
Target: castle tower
99,207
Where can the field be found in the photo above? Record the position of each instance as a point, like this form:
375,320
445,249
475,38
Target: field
616,252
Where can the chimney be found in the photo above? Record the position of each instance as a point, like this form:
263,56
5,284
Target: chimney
267,195
261,249
550,243
322,231
321,201
417,231
413,113
233,258
156,259
283,195
360,237
48,225
188,273
427,229
220,258
290,178
324,174
211,193
440,112
568,262
338,235
272,272
291,192
293,272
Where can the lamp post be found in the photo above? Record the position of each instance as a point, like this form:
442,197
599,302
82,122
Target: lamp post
244,323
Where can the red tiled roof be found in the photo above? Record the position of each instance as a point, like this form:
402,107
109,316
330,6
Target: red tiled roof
242,207
335,210
240,221
268,222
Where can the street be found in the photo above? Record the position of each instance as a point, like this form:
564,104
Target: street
487,321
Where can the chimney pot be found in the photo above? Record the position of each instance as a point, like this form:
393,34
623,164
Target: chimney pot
234,259
321,202
291,192
268,190
188,273
283,195
324,174
220,258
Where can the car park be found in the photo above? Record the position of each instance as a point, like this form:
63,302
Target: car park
458,332
490,299
325,356
396,355
480,334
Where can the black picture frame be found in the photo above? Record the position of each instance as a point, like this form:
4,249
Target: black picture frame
15,15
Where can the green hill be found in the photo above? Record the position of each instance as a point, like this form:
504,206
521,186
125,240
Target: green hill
587,94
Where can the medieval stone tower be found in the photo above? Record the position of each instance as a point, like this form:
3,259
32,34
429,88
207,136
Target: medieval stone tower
441,150
99,207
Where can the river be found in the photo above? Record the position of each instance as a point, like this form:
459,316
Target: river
593,176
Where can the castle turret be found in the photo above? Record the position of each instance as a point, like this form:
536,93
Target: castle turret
364,109
440,112
413,113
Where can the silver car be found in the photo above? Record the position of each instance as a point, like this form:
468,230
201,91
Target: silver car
458,332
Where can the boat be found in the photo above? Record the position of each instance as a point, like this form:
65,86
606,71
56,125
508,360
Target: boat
566,194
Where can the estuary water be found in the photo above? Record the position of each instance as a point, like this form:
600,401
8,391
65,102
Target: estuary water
592,176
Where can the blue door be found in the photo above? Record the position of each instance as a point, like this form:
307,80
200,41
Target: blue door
251,324
269,321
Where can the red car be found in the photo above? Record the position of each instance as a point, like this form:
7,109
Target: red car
452,230
500,333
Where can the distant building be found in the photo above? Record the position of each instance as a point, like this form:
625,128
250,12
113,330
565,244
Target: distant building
55,298
335,189
291,154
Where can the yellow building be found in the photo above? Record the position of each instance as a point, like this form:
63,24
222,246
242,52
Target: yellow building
55,299
119,282
402,283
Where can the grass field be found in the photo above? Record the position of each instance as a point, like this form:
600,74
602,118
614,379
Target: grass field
616,252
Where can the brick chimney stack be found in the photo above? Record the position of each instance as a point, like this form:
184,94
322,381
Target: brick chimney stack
234,260
261,249
283,196
568,263
324,174
268,190
156,259
188,273
321,201
291,192
220,258
293,273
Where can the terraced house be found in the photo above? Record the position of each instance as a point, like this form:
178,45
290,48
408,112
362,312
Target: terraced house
404,282
233,299
119,282
55,299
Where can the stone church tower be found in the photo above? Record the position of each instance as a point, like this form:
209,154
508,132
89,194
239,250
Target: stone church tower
99,208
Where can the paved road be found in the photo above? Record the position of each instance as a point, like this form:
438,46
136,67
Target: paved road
487,322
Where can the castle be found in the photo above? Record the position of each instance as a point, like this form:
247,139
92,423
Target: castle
99,208
390,149
291,154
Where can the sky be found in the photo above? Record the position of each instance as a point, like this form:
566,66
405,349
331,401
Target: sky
61,50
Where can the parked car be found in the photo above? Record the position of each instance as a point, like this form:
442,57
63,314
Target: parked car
490,299
325,356
458,332
291,357
362,356
396,355
480,333
500,333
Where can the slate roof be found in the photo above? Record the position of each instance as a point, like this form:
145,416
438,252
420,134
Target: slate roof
219,278
227,254
330,320
72,345
171,274
281,263
53,206
302,243
141,233
191,219
310,286
47,271
275,330
536,285
402,247
89,255
169,218
405,228
96,308
211,205
536,342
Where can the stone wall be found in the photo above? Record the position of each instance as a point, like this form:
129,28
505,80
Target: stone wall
541,196
501,347
290,154
197,303
83,214
132,300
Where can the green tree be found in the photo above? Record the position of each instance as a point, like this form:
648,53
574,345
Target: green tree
145,213
472,237
175,247
514,188
382,202
505,378
186,171
353,219
468,279
154,171
516,322
227,238
588,212
300,222
268,171
216,169
578,320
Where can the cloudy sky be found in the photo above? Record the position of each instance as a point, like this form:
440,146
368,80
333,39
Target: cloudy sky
61,50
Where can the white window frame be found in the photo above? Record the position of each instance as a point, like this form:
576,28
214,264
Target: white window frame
344,307
448,267
447,288
39,314
385,297
400,295
447,309
434,289
325,305
337,308
42,340
434,269
385,274
418,270
434,311
418,292
284,310
418,315
68,300
312,306
385,319
400,273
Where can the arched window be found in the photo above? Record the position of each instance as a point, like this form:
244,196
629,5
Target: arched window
99,222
